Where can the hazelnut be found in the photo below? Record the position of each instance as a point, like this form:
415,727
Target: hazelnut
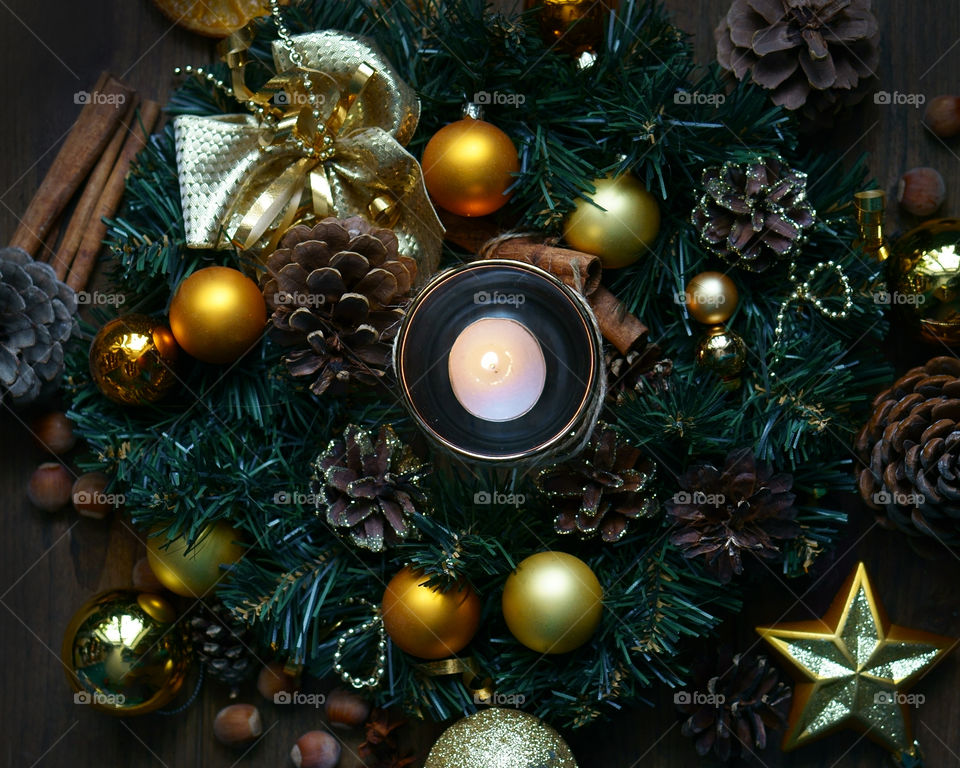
921,191
90,495
315,749
54,432
49,486
346,709
942,116
237,724
273,680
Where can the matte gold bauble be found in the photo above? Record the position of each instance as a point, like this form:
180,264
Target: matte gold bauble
711,297
427,622
572,26
124,653
132,360
468,165
622,229
194,573
218,314
500,737
552,602
723,352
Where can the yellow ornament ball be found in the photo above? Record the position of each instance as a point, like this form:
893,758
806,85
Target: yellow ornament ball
218,314
132,360
468,165
622,229
194,573
426,622
711,297
552,602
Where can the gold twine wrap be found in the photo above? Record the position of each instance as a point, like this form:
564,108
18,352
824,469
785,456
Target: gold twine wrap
246,179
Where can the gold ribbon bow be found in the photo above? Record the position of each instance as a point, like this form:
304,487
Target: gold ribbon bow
326,138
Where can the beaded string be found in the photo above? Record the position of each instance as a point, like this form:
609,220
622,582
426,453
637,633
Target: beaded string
374,621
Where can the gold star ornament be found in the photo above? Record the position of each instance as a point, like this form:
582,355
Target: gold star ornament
853,668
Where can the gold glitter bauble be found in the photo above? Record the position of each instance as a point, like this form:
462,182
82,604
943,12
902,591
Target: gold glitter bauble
218,314
711,297
468,165
572,26
853,667
124,653
500,738
622,229
552,602
426,622
132,360
194,573
723,352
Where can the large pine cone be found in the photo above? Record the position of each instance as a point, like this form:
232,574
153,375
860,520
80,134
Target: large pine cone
911,452
337,292
223,644
36,319
818,55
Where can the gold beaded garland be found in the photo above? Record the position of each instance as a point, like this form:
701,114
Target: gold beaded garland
375,622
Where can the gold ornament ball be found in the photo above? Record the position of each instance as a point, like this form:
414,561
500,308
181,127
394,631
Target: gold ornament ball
468,165
552,602
723,352
572,26
622,229
124,653
132,360
217,314
195,572
711,298
500,737
426,622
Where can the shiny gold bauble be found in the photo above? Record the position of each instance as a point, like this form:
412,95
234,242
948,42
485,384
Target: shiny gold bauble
218,314
194,573
132,360
468,165
552,602
500,737
723,352
426,622
124,653
924,280
622,229
711,297
572,26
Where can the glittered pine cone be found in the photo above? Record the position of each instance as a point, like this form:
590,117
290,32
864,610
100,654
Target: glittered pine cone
602,489
367,487
337,292
911,451
722,513
753,215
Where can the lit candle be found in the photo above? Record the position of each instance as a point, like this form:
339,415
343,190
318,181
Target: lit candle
497,369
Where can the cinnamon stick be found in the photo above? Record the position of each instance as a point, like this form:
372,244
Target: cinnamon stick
91,194
86,141
136,140
580,271
618,326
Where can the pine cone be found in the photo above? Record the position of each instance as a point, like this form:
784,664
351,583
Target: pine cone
223,644
336,292
721,514
753,215
733,704
602,489
911,451
368,488
36,319
818,55
637,372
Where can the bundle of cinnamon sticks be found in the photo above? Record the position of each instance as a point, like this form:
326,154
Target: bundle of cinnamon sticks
111,129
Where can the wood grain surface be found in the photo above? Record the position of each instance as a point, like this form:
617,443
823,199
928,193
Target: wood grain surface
49,564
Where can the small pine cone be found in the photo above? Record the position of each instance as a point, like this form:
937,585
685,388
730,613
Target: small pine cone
910,449
602,489
753,215
733,705
640,371
337,292
722,513
367,487
223,644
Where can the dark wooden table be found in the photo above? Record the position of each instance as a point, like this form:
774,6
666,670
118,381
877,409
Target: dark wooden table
50,564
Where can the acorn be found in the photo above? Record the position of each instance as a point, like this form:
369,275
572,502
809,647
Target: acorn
237,724
143,577
273,680
90,497
54,432
346,709
49,486
315,749
942,116
921,191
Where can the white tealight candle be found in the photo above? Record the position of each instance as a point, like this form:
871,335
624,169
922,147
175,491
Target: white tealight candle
497,369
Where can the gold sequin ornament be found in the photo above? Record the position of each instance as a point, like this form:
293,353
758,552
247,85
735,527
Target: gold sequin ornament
132,360
500,738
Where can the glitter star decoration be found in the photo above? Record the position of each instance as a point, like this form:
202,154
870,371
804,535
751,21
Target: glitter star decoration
853,668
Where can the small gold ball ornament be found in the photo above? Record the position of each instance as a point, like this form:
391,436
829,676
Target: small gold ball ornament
711,298
194,573
132,360
124,653
218,314
426,622
572,26
468,166
724,352
552,602
622,229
